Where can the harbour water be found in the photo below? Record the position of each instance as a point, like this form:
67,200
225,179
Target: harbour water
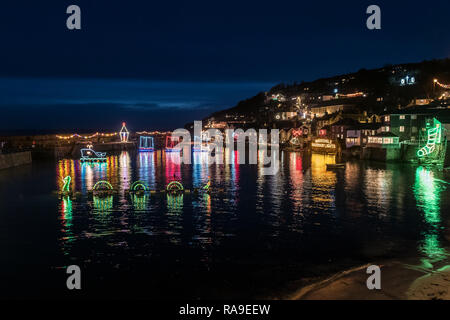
253,236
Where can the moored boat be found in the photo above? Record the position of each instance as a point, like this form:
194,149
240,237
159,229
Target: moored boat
331,166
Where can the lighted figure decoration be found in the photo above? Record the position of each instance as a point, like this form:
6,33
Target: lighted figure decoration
66,186
146,144
123,133
139,186
171,143
295,141
88,154
174,187
102,185
433,138
207,185
296,134
407,81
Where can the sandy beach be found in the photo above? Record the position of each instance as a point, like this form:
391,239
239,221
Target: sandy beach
410,279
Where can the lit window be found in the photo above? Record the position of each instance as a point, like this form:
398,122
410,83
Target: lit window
414,117
387,118
402,129
402,117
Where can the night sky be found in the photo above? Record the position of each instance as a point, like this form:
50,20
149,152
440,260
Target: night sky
211,47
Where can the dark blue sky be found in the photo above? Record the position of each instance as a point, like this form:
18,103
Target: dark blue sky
216,41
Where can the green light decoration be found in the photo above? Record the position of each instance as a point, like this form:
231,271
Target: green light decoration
207,185
102,185
434,137
67,224
103,204
67,207
175,186
175,202
427,192
139,185
140,203
66,186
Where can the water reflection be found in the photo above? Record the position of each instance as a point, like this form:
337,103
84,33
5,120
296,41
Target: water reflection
200,169
427,192
103,204
296,181
303,198
140,202
66,218
147,168
379,191
323,181
175,203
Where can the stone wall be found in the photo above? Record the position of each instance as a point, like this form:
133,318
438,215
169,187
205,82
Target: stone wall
14,159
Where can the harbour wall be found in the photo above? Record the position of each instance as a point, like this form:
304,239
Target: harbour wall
381,154
10,160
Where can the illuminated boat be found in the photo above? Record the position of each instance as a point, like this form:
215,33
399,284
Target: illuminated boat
89,155
171,144
146,144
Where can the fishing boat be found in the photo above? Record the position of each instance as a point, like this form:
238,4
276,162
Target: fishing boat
89,155
146,144
331,166
171,144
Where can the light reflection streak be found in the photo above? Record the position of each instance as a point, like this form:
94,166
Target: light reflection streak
378,190
296,180
323,181
67,224
427,193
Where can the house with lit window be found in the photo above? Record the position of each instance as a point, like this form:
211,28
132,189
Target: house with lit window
358,136
339,129
409,124
406,124
383,140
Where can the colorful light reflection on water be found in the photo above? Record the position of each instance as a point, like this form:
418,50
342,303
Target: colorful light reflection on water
303,217
428,194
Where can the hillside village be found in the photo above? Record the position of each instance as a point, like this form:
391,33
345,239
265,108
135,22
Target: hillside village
382,114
